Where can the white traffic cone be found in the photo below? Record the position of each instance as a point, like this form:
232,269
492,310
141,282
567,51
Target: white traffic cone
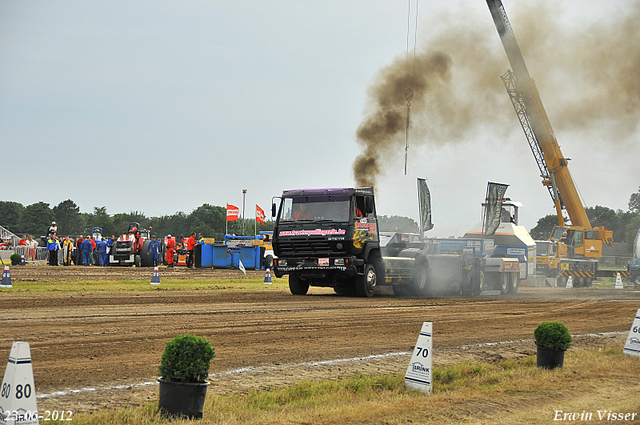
570,282
18,387
618,282
23,262
155,278
6,278
267,278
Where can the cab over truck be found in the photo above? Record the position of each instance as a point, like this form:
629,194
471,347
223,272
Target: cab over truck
330,238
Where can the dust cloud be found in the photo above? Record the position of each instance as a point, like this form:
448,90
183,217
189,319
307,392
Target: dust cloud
588,77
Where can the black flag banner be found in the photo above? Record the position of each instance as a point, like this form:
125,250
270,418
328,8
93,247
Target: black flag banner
424,204
495,193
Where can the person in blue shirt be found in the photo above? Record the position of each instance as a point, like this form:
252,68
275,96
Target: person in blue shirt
53,246
102,252
153,250
110,243
87,249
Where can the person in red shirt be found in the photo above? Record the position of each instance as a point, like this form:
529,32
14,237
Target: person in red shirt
171,245
191,246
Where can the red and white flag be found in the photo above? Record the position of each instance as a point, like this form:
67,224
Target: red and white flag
259,214
233,212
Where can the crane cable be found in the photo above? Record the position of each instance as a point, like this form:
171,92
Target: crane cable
408,93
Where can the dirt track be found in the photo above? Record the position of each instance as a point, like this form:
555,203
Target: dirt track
106,340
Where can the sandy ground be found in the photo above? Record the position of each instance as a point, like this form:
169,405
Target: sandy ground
102,351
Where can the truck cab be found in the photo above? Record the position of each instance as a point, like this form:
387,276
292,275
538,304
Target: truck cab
328,237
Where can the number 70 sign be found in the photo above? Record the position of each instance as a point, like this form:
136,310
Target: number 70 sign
418,374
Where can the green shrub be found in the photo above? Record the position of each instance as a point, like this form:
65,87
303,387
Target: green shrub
186,358
15,258
552,336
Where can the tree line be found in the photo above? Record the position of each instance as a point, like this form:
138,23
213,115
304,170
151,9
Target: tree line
210,220
36,218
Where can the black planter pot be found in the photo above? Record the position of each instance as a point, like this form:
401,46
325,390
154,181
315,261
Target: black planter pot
550,359
182,398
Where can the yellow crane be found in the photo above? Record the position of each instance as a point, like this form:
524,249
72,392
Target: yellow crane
572,245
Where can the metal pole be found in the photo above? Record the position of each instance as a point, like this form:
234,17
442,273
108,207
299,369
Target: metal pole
244,194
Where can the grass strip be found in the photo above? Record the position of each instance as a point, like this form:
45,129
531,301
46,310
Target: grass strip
505,392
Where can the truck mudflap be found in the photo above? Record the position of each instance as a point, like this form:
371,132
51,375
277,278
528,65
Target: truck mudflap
502,265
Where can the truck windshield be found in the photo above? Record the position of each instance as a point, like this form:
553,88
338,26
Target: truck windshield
542,248
315,208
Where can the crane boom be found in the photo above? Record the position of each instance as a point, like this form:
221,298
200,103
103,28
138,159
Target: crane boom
559,180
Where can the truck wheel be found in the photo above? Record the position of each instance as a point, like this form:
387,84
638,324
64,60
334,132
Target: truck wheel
635,279
514,283
145,257
503,282
268,262
561,282
366,284
297,286
420,281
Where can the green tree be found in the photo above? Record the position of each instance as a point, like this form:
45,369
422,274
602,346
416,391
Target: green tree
101,219
634,202
36,219
10,214
397,223
68,218
208,220
544,227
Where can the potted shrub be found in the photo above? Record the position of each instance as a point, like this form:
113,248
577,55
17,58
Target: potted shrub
184,368
552,340
15,259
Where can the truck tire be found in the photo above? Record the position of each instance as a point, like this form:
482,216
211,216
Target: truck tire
268,262
500,282
421,280
561,282
297,286
635,279
514,283
145,257
366,284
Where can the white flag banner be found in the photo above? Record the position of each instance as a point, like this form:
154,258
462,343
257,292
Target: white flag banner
241,267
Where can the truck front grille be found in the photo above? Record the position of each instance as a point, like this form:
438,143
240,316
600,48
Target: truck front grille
305,246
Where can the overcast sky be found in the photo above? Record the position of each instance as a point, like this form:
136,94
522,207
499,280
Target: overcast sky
163,106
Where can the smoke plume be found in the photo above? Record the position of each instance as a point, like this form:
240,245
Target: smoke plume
588,78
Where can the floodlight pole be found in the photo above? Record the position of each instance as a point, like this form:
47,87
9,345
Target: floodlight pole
244,194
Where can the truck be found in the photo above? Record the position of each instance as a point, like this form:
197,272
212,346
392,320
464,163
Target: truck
330,238
574,248
130,249
511,240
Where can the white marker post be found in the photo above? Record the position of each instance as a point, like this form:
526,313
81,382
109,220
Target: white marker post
418,374
632,346
18,396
